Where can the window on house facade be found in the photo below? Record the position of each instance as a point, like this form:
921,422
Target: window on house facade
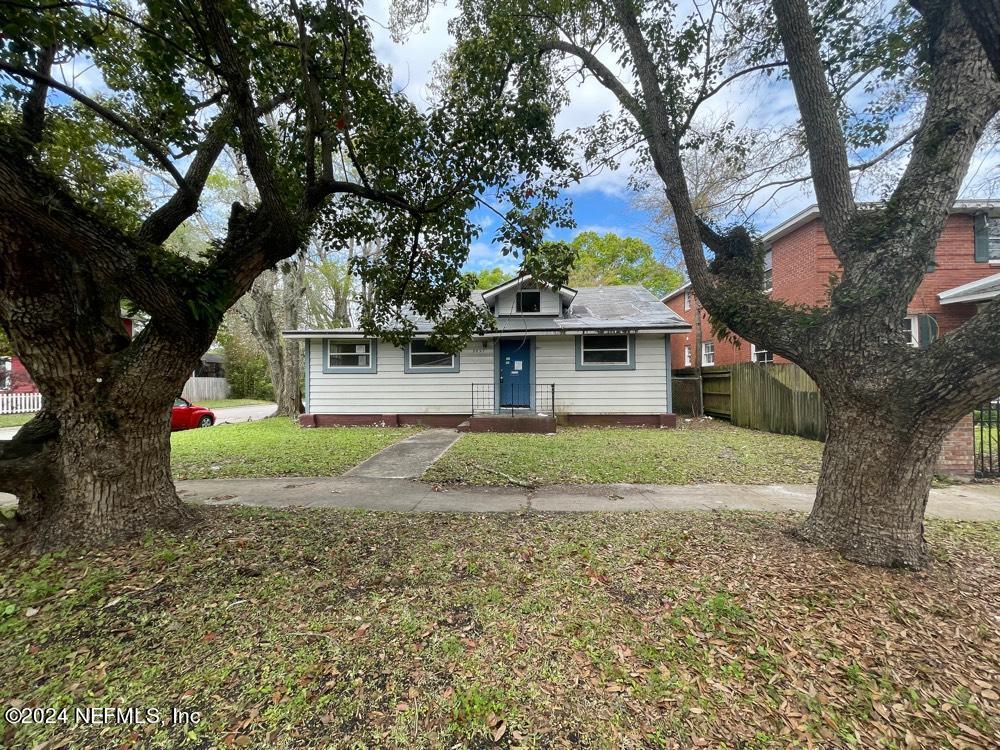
687,355
708,353
768,272
760,355
687,300
350,354
909,330
529,301
605,350
6,367
987,238
424,357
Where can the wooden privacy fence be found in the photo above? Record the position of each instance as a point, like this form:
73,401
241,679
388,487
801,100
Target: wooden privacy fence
20,403
774,398
206,389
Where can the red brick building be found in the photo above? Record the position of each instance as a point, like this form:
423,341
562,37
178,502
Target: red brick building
800,261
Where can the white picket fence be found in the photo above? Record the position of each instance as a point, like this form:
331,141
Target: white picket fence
20,403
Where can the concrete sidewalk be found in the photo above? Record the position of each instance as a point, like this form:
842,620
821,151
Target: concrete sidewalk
973,502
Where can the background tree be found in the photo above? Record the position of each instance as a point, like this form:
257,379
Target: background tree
292,87
856,70
489,277
610,260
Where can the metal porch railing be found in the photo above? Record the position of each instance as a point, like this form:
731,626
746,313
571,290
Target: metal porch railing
516,399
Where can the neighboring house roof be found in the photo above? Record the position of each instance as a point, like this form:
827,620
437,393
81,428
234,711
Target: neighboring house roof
803,217
682,288
979,290
602,308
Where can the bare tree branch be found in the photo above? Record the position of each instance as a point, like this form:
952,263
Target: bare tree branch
824,136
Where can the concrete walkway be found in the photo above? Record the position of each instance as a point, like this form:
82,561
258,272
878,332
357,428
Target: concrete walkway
408,458
972,502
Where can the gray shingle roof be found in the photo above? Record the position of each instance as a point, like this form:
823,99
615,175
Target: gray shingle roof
594,308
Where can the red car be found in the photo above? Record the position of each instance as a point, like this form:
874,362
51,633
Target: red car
187,416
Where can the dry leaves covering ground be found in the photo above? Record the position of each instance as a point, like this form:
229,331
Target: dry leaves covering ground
317,629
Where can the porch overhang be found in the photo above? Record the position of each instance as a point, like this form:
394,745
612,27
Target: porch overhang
980,290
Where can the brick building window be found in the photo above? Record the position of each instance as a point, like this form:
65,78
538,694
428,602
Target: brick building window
768,272
708,353
687,355
987,238
910,331
687,300
760,355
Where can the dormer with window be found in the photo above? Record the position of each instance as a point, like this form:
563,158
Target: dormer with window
524,296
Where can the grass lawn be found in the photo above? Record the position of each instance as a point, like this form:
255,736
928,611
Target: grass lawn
275,447
327,629
228,403
707,452
15,420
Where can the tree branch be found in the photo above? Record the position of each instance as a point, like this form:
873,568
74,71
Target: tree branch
601,72
984,18
155,151
824,136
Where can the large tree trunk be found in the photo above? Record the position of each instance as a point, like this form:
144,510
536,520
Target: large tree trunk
108,479
873,488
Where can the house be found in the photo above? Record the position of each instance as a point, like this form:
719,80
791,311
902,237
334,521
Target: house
587,356
800,261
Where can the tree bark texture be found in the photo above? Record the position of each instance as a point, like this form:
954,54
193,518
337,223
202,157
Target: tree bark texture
873,487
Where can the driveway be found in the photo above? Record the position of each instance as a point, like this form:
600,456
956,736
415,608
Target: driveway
244,413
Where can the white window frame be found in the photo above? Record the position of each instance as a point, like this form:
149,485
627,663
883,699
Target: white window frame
914,330
768,272
369,353
754,351
707,359
452,364
687,299
627,348
687,355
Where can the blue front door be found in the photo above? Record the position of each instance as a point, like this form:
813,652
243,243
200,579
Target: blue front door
515,373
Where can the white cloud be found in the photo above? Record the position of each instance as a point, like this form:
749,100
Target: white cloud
483,255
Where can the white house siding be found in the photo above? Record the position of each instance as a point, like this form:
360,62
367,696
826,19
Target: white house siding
391,391
639,391
548,302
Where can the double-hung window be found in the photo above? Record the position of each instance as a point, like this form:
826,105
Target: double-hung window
762,356
349,356
600,352
708,353
420,357
687,300
687,355
768,272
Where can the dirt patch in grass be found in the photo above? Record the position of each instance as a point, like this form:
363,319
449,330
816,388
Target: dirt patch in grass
275,447
317,629
700,452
